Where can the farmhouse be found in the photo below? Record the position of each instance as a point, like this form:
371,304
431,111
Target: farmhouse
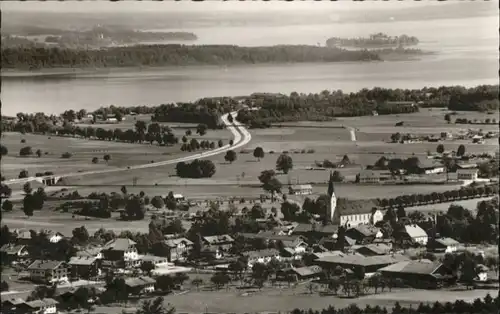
300,273
430,167
446,245
413,233
303,189
261,256
140,285
315,230
120,252
418,274
22,236
179,248
44,306
368,176
157,261
374,249
294,242
48,271
223,242
364,233
91,252
52,236
371,264
12,252
84,267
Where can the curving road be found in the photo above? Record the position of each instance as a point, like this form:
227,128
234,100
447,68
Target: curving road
241,138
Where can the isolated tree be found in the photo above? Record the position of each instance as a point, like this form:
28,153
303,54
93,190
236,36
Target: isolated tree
26,151
66,155
201,129
272,186
230,156
284,163
440,149
23,174
231,142
7,205
28,205
106,157
5,191
38,153
188,132
461,150
447,117
81,235
184,139
220,143
230,118
197,282
337,176
258,153
157,202
3,150
123,189
27,188
95,160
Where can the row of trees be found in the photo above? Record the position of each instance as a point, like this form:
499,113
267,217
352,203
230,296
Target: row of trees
195,169
441,197
173,54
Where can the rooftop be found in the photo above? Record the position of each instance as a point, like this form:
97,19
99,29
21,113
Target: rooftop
301,187
45,264
41,303
304,227
11,249
82,260
176,242
366,230
353,207
218,239
261,253
423,267
414,231
447,241
357,260
119,244
308,270
139,281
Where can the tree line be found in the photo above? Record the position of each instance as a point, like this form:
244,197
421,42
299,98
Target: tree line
173,55
326,105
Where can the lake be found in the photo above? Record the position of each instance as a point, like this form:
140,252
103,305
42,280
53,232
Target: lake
467,54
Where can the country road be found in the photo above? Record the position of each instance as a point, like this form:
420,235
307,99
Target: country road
241,138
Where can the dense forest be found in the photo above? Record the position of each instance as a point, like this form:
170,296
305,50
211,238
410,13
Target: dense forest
374,41
173,55
327,105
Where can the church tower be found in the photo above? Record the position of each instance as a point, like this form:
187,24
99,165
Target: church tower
333,199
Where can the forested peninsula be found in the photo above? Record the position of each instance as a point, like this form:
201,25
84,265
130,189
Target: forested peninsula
379,40
32,58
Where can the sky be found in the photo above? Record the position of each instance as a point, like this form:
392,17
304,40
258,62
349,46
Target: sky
211,5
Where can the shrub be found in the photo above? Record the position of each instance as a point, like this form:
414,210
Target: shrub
311,151
66,155
23,141
23,174
95,160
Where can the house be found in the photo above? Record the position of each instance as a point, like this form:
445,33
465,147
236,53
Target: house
443,245
418,274
223,242
179,197
430,167
10,306
22,236
179,248
303,189
446,135
120,252
368,176
48,271
413,233
261,256
355,262
53,236
374,249
318,255
157,261
294,242
91,252
315,230
84,267
12,252
299,274
364,234
44,306
140,285
482,273
467,174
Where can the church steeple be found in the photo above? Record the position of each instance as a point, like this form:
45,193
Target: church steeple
331,189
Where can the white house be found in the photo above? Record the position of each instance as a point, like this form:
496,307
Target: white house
48,271
417,234
303,189
467,174
261,256
44,306
55,237
157,261
373,176
482,273
446,245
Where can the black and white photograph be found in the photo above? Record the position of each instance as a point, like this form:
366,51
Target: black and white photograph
244,157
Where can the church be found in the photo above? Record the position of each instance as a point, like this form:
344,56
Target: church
351,213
